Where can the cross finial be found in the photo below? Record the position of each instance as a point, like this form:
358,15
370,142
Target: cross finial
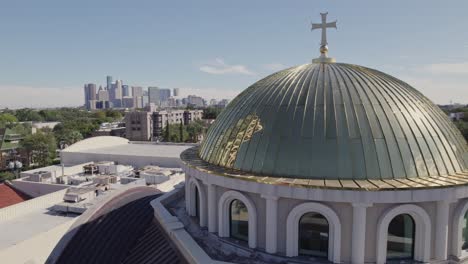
323,44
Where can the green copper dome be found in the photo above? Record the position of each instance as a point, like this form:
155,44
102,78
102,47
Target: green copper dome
335,121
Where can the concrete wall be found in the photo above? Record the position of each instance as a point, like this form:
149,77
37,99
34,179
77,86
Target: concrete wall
32,205
36,189
343,208
73,158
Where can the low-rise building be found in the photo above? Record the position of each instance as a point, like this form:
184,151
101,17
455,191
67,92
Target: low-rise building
457,116
148,126
138,126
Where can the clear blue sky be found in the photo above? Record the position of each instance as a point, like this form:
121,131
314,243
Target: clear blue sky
50,48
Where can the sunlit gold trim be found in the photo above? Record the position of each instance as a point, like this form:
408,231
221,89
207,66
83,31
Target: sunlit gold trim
190,158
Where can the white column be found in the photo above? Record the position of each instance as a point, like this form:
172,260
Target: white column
441,230
212,208
358,241
271,227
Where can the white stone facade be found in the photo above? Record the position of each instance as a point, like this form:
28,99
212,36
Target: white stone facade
358,220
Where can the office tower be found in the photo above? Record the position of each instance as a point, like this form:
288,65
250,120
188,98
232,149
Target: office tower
196,101
109,82
213,102
117,87
164,94
176,92
128,102
103,95
144,101
90,96
153,95
137,93
125,90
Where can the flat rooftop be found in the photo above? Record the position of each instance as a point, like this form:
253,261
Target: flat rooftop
147,150
21,228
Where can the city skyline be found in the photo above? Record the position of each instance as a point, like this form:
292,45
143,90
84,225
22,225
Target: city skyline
158,44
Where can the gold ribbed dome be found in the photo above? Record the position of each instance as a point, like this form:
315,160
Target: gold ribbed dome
335,121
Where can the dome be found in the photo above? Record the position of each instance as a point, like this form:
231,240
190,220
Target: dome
335,121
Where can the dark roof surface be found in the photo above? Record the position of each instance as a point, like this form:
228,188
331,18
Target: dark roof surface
10,196
129,234
335,121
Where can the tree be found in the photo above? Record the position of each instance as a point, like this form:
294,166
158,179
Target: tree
175,133
211,112
6,119
28,115
167,131
195,129
181,131
68,136
40,148
6,176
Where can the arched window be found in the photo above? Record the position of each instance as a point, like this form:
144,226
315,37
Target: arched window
239,221
197,203
401,238
313,235
465,232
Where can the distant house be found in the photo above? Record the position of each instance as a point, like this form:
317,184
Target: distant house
457,116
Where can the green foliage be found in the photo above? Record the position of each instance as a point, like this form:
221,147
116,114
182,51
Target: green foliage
181,131
67,136
21,128
6,176
167,132
40,147
175,133
27,114
211,112
114,114
6,119
195,129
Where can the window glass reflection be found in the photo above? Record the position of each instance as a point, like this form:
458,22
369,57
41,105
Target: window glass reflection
400,240
465,232
313,235
239,221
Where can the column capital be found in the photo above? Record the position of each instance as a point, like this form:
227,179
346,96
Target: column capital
269,197
208,183
362,204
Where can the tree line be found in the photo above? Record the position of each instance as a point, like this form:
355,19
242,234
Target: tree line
40,147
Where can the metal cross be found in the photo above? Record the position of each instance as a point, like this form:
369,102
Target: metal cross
324,25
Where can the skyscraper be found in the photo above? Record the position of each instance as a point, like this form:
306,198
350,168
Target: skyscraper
125,90
164,94
176,92
109,82
103,95
90,96
118,93
137,93
153,95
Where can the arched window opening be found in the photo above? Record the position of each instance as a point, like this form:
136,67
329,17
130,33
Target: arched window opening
401,238
239,221
313,235
465,232
197,203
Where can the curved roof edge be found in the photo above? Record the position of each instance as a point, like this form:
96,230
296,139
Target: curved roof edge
191,159
96,142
